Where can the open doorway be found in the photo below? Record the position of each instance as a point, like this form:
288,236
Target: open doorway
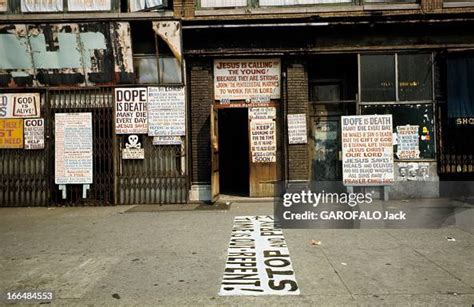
233,151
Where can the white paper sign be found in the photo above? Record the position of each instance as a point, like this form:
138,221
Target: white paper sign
131,110
133,153
167,140
258,260
29,6
367,150
3,5
263,141
34,133
20,105
166,111
73,148
297,131
262,113
247,79
88,5
408,141
138,5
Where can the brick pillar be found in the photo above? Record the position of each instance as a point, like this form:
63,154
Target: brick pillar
200,83
429,6
183,8
297,102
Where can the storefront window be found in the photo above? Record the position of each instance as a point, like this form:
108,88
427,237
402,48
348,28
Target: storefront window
146,69
413,126
415,77
222,3
377,78
299,2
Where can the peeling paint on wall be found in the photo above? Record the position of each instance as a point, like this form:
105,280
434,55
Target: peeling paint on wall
170,32
65,54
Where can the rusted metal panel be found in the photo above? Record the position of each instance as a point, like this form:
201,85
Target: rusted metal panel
65,54
170,32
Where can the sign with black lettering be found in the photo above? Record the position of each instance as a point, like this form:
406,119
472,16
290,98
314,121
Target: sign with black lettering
20,105
258,260
73,148
166,111
297,131
131,110
367,150
263,141
34,133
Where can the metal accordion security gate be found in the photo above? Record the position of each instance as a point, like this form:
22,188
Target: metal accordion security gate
27,177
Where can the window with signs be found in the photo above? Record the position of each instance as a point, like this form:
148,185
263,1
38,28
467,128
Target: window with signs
154,63
299,2
401,84
396,77
52,6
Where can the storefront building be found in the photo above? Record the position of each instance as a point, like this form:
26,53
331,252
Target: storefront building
408,59
185,100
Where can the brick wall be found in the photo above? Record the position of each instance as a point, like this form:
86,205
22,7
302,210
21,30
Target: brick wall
200,82
183,8
297,93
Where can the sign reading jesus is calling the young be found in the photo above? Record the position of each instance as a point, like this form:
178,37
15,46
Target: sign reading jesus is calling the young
367,150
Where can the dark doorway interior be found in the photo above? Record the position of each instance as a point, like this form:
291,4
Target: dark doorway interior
234,151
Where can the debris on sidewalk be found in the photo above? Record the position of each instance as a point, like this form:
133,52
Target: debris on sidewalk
451,239
343,263
315,242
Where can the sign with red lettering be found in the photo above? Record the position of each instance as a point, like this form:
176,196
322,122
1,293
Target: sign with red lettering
367,150
131,115
11,133
253,80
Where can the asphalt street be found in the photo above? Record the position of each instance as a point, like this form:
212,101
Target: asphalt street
106,255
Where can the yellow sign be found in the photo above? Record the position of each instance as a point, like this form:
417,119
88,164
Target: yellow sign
11,133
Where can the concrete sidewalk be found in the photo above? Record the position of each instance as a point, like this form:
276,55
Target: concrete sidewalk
103,256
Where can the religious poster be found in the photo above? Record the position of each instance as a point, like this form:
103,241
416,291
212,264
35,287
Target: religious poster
297,131
20,105
252,80
263,141
11,133
166,111
34,133
73,148
408,142
367,150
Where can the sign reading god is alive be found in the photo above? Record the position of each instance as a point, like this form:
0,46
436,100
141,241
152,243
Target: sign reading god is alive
367,150
131,110
34,133
73,148
258,260
297,132
263,141
253,80
19,105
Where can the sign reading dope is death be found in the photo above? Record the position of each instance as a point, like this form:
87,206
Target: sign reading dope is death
131,110
258,260
256,80
367,150
73,148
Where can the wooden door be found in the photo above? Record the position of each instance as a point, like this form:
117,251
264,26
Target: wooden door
262,175
215,189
